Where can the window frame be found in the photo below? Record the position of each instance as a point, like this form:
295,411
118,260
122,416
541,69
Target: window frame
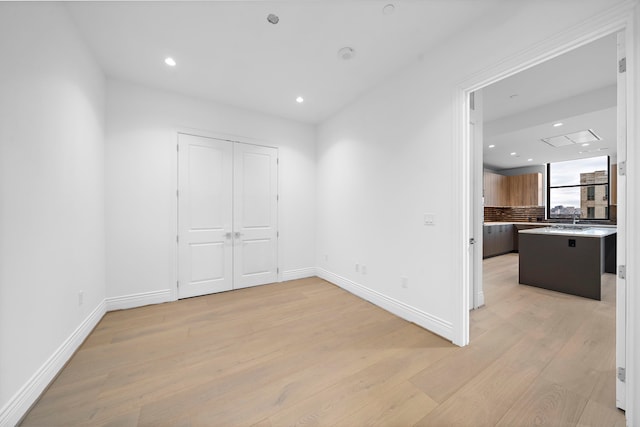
607,192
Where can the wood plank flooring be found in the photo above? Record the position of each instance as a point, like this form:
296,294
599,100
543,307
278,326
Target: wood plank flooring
308,353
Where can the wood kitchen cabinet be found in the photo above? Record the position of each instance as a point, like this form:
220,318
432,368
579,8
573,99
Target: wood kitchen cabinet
516,190
525,190
497,239
495,189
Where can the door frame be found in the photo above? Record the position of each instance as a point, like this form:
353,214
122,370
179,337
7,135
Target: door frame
173,195
620,18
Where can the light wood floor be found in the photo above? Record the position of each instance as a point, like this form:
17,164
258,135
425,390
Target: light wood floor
307,353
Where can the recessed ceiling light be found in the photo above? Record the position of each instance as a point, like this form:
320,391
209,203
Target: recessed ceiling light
557,125
513,154
388,9
346,53
299,100
170,61
273,19
586,144
492,146
529,160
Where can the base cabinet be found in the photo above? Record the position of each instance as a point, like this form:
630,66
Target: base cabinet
518,227
497,239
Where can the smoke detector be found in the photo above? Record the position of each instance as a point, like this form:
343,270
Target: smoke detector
346,53
273,19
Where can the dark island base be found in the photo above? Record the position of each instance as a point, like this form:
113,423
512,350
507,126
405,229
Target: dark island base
569,264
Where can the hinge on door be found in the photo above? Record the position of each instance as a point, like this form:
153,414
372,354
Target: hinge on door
622,271
278,161
472,100
177,239
177,147
277,197
278,270
177,193
178,284
277,234
622,374
622,65
622,168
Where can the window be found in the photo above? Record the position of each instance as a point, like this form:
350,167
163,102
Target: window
578,189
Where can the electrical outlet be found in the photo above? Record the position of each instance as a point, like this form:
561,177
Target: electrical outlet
357,267
80,297
404,282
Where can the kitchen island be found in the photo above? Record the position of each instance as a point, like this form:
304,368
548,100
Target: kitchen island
567,259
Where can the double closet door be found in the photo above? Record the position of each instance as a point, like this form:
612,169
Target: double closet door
227,215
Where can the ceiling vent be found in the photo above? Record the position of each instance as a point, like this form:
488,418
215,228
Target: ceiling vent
580,137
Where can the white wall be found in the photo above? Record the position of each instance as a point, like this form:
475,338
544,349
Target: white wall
142,126
389,158
51,196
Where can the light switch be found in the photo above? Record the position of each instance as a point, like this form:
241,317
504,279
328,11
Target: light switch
429,219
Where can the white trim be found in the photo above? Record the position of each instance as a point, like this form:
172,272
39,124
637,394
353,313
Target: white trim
400,309
138,300
461,167
21,402
480,298
225,137
632,232
299,273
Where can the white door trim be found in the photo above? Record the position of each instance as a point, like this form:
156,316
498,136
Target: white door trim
619,18
621,259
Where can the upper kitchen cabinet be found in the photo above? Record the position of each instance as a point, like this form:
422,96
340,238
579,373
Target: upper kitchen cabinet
525,190
517,190
495,189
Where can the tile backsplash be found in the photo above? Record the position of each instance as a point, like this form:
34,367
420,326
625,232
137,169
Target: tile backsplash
529,214
514,213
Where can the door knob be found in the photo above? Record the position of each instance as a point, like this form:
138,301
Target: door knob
227,235
237,234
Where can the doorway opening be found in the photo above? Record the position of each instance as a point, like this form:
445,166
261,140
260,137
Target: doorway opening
512,143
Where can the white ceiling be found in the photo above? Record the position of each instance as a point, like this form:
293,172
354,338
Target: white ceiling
577,89
228,52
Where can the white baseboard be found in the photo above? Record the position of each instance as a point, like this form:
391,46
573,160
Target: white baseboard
20,403
299,273
400,309
138,300
18,406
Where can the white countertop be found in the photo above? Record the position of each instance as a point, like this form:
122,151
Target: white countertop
551,224
570,230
